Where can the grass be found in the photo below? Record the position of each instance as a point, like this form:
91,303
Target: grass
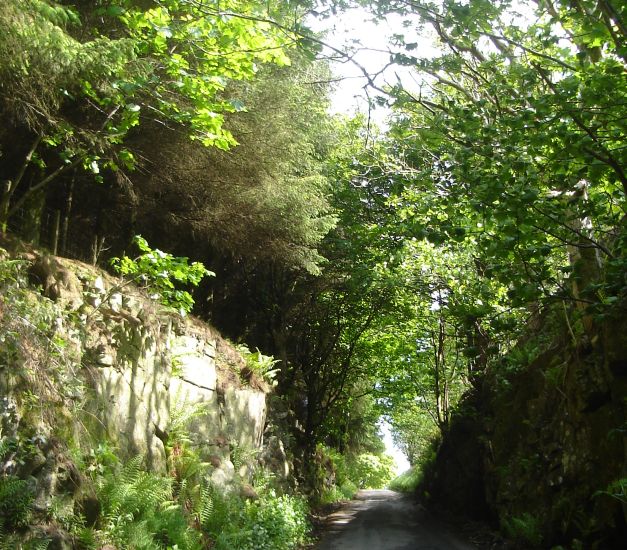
407,482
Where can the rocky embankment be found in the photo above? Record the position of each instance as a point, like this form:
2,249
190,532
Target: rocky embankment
538,447
91,362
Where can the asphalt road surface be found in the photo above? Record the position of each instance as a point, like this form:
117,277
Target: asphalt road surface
385,520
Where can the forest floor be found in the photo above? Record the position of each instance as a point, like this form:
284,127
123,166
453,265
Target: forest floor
385,520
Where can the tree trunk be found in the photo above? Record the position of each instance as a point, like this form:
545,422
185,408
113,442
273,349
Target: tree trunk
7,186
586,264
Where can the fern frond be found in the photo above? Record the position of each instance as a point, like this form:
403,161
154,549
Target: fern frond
87,538
55,14
39,545
206,504
7,445
15,501
132,470
181,415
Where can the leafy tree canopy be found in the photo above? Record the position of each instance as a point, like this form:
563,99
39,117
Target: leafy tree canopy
81,87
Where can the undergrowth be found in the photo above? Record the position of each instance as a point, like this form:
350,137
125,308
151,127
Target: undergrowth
349,473
407,482
138,511
272,522
524,529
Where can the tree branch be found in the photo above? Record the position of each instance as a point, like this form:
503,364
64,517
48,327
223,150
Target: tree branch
31,190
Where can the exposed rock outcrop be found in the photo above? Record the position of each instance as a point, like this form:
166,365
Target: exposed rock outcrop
140,371
541,450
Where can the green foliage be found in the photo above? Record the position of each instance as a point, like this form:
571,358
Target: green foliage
19,449
484,165
415,433
270,523
13,542
266,202
78,79
398,269
138,511
348,489
16,497
181,416
260,364
407,482
337,493
144,510
214,44
160,272
371,471
332,494
413,429
524,528
43,65
617,490
241,455
207,512
34,350
351,472
184,463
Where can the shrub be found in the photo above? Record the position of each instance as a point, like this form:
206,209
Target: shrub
348,489
372,471
407,482
349,473
270,523
332,494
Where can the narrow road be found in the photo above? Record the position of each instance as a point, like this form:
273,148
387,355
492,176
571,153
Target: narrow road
385,520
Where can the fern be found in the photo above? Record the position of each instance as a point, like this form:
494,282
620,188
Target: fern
181,416
188,467
55,14
3,534
13,542
86,537
206,504
138,511
7,445
38,545
262,365
131,471
217,509
136,535
525,528
241,455
8,542
15,502
184,462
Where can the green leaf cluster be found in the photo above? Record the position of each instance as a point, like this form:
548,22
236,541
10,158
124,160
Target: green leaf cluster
262,365
16,498
160,272
137,510
517,146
